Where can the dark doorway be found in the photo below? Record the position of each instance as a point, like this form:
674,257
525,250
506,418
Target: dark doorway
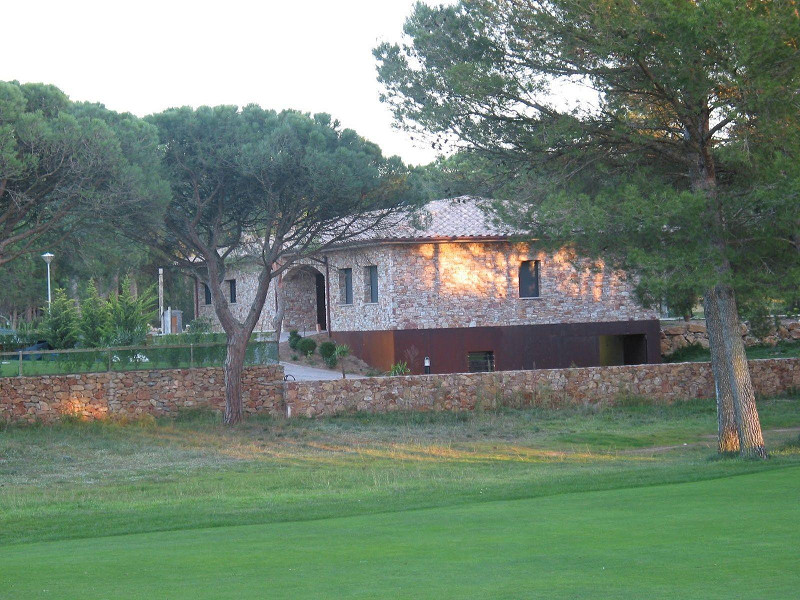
321,313
622,349
635,349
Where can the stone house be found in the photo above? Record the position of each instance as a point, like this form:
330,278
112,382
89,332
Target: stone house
461,291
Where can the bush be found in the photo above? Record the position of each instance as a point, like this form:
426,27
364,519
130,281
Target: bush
60,325
400,368
130,316
294,339
327,350
342,351
306,346
95,322
200,325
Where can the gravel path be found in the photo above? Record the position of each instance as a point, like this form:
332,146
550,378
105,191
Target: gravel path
305,373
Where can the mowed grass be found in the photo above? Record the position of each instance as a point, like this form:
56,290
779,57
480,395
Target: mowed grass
723,538
516,503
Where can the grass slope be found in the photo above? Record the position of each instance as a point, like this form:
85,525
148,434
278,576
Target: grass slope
84,480
726,538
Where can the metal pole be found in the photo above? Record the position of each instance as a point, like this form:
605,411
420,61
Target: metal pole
20,363
191,356
109,359
161,298
49,297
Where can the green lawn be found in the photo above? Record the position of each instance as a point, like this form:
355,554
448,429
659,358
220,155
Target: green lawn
724,538
570,503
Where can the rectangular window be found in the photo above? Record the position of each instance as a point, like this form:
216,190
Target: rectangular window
529,279
346,286
480,362
208,293
371,284
232,287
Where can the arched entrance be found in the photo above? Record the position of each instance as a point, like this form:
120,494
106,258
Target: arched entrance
304,297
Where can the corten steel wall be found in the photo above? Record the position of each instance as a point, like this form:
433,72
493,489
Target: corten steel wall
549,388
515,347
135,393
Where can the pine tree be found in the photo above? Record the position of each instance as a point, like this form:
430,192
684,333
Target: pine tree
95,320
60,325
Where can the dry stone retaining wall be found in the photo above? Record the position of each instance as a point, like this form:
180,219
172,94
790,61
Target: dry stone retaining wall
553,387
134,393
680,334
165,392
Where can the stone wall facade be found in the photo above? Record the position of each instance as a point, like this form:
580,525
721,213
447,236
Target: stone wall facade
164,393
552,388
679,334
444,285
134,394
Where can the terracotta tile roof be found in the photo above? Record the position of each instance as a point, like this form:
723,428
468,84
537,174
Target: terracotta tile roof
455,218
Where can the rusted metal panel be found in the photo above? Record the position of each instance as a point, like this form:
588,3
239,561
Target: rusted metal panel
514,347
377,348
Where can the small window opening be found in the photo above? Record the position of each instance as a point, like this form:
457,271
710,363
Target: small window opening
232,287
480,362
371,284
208,293
529,279
346,286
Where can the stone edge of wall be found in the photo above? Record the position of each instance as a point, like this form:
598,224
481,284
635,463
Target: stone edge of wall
134,394
665,382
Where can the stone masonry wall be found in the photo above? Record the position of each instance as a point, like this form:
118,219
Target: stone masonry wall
458,284
680,334
135,393
165,392
556,387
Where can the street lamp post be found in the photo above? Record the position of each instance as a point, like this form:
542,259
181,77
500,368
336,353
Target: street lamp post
48,258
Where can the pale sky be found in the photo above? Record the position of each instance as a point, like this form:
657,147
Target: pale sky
146,56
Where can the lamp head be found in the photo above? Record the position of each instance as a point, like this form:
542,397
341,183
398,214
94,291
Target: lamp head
48,257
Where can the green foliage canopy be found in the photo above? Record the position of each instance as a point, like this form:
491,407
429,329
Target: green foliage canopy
65,167
661,136
60,324
131,315
95,321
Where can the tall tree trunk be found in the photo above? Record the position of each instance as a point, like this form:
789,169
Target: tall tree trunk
234,365
751,442
731,362
728,436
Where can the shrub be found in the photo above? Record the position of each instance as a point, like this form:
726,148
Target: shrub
294,339
306,346
95,321
400,368
342,351
60,325
327,350
200,325
130,316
